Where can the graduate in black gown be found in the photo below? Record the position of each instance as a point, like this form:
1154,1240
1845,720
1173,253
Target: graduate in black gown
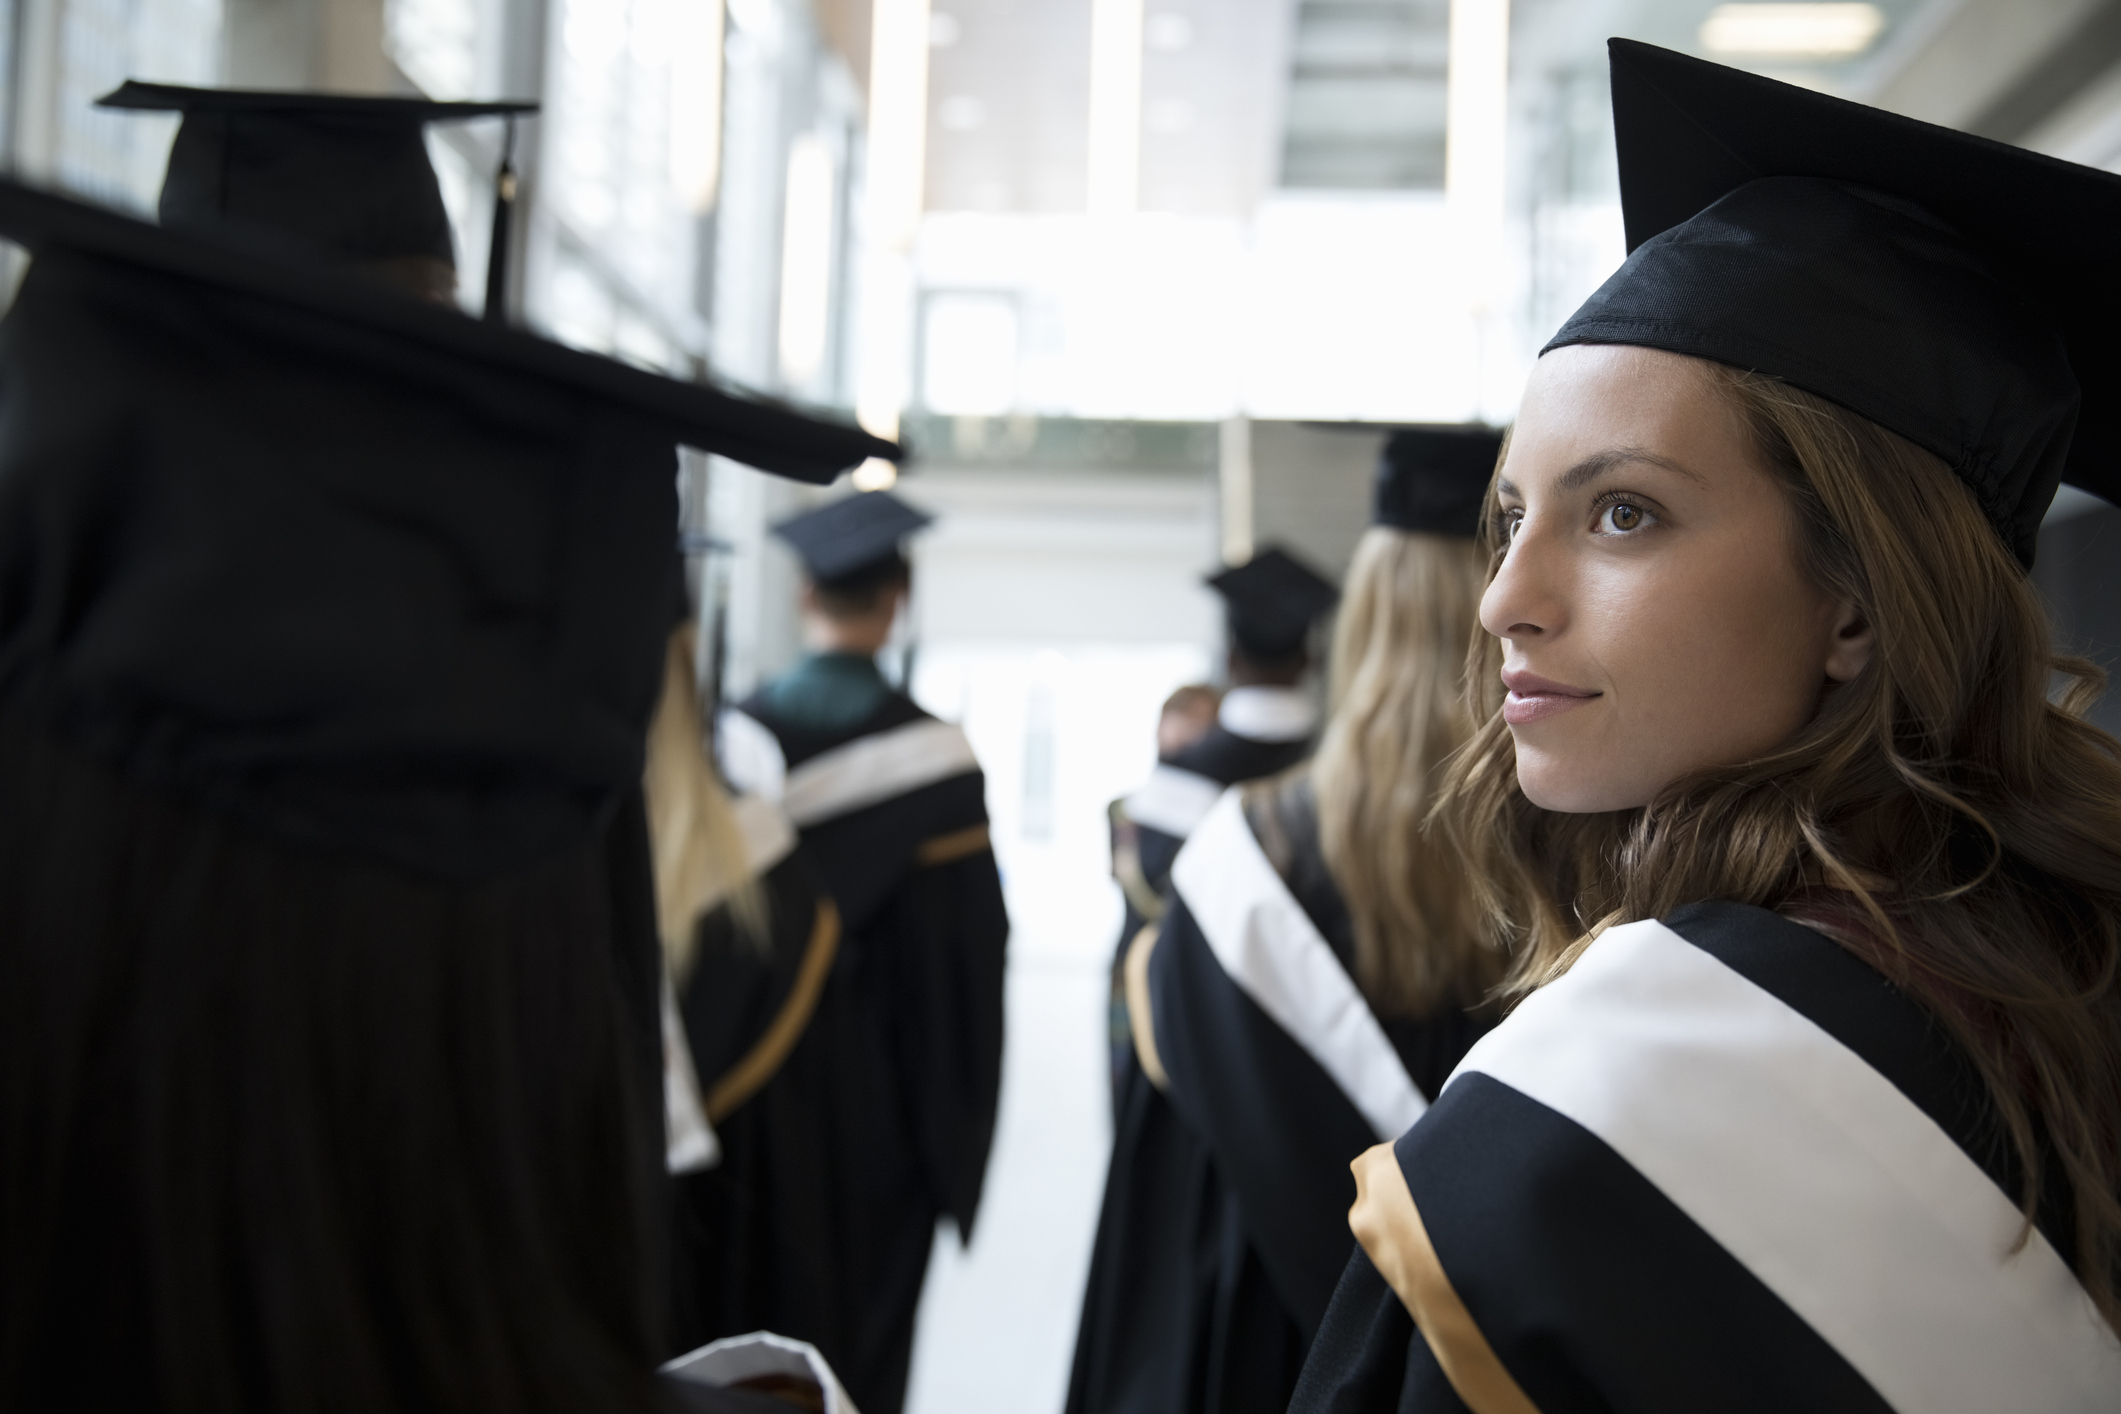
1317,974
1264,724
890,807
770,1207
330,625
1812,1099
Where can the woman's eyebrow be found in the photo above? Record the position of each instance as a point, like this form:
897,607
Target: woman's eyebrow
1599,463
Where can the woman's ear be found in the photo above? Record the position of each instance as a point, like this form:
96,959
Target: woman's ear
1849,651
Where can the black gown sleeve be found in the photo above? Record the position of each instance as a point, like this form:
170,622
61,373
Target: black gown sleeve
1149,1302
1281,1132
953,932
1368,1358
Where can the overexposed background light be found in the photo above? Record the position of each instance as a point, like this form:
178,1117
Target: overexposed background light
806,259
1793,31
1115,105
1477,114
901,34
875,474
696,104
111,156
898,119
969,354
435,44
1320,306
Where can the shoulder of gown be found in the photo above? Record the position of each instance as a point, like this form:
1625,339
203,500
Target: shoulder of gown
1263,1040
1224,756
1721,1163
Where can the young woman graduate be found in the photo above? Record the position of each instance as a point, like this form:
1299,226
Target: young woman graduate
330,625
1813,1098
1306,993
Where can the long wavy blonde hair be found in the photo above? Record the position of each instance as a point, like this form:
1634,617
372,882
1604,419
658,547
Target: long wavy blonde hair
1399,709
1969,828
695,842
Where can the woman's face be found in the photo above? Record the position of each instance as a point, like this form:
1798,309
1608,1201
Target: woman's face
1654,619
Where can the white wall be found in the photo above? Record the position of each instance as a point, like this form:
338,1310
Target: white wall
1025,557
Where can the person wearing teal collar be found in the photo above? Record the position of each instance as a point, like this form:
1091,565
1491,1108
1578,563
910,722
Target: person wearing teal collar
846,622
890,805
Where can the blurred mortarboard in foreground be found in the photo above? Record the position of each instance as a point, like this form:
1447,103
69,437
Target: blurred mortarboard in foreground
1955,290
347,176
1435,479
846,536
1272,600
231,273
366,573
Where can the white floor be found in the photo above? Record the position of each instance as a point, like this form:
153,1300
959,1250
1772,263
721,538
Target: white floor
997,1322
1061,731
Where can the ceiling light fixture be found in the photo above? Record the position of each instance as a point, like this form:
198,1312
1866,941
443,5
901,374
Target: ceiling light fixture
1817,31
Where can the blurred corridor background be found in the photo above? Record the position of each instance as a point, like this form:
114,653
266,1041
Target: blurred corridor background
1143,284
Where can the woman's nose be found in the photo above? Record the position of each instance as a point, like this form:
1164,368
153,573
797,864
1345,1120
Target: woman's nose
1520,601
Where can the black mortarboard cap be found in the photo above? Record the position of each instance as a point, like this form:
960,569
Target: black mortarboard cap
846,536
1272,600
1434,479
1955,290
747,430
364,572
347,176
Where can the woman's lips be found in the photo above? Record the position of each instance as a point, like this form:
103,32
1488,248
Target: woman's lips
1534,698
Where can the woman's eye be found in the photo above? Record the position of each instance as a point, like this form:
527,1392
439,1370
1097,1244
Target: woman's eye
1511,520
1622,517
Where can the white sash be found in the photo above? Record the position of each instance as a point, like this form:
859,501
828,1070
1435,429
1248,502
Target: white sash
768,833
1173,800
872,769
1270,948
1815,1172
1268,713
866,771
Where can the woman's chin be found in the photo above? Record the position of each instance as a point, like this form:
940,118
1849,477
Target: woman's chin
1567,789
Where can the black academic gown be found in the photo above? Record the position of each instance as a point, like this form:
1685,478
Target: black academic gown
1224,1226
776,1045
1721,1164
914,1042
1221,756
1142,853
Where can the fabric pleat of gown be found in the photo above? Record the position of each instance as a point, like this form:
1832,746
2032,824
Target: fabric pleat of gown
778,1055
878,1123
1720,1164
1150,826
1224,1225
